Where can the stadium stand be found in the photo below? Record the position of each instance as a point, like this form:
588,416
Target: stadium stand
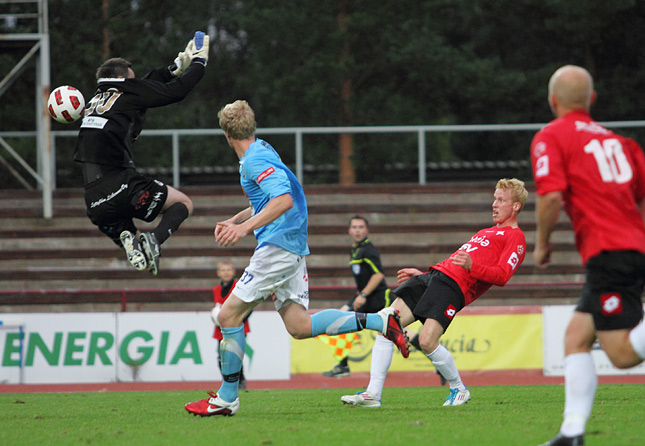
65,264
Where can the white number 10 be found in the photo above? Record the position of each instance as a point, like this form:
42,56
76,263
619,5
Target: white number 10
611,160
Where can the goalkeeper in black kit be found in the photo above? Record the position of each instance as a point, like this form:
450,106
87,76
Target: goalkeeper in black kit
115,192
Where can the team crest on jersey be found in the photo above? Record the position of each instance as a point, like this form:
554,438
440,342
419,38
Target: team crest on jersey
520,249
611,304
539,149
265,174
356,269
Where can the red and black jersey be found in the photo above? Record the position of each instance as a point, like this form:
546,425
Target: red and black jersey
496,254
602,178
113,117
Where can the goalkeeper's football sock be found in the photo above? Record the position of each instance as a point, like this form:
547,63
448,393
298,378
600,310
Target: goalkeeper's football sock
445,364
171,219
637,339
382,353
333,322
231,353
580,383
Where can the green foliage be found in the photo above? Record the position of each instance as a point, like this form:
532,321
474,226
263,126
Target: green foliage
431,62
497,415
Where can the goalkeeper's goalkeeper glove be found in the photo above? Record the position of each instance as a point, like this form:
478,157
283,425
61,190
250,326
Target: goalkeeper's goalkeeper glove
199,47
181,63
182,60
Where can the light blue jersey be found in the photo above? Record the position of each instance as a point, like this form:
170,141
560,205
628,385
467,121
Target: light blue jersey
264,176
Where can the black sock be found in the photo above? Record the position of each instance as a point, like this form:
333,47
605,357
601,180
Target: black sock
415,342
170,221
343,362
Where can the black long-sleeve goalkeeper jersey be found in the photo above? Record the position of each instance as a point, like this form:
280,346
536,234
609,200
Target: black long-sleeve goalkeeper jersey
113,117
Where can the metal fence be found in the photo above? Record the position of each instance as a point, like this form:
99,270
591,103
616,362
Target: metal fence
298,132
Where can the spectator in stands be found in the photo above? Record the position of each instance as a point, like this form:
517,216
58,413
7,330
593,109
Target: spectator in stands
226,274
490,257
599,178
277,216
115,192
372,291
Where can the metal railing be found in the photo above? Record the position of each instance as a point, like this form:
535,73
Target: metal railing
299,132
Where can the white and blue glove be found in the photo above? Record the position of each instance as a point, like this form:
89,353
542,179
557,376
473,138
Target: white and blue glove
181,63
182,60
198,47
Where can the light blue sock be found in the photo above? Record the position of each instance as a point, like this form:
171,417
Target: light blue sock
231,353
333,322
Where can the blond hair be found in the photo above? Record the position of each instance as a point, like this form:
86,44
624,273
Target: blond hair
518,191
237,120
225,262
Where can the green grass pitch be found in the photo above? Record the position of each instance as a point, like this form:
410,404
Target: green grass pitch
496,415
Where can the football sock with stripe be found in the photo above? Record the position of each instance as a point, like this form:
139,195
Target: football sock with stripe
333,322
231,353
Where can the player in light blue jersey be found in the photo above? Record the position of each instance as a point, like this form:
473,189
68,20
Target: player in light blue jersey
277,270
262,184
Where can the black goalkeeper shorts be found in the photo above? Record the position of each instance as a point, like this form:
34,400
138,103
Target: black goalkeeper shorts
114,200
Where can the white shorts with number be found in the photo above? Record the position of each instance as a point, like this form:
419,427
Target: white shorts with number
274,273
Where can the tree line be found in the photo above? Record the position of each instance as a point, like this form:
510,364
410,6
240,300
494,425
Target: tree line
354,63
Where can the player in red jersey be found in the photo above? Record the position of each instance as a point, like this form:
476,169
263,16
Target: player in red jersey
490,257
599,178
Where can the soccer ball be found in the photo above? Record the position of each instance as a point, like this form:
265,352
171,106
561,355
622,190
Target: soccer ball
66,104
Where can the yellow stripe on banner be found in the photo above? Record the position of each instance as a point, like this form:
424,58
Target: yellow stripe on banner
477,342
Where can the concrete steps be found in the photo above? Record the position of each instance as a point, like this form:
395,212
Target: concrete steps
67,260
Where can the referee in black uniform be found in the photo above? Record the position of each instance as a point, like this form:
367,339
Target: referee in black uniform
115,192
372,291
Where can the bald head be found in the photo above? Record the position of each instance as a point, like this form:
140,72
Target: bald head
570,88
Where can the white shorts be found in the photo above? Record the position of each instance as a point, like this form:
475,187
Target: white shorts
275,273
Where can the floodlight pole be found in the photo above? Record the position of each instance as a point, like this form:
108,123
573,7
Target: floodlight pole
39,50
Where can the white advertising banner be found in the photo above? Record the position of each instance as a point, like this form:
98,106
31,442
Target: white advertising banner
556,319
50,348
